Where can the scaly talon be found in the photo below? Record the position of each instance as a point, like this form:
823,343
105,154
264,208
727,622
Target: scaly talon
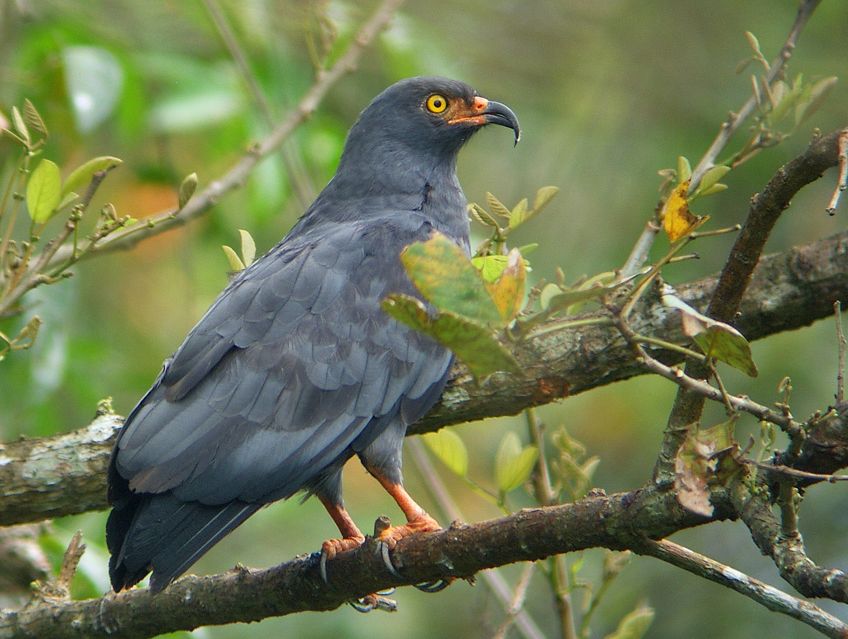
435,586
332,547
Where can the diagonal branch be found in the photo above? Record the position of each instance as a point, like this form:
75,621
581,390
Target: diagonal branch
236,176
765,595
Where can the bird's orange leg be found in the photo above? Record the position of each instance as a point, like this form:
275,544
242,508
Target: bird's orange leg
417,519
351,537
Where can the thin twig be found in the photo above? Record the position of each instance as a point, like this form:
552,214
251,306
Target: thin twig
238,174
704,389
842,180
492,578
764,594
841,345
794,472
639,254
735,120
517,603
303,188
546,496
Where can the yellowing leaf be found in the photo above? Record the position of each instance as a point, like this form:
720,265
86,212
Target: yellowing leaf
449,448
513,464
699,462
508,290
473,343
44,191
446,277
676,217
232,257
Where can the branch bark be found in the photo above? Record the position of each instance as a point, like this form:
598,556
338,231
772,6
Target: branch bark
65,474
617,521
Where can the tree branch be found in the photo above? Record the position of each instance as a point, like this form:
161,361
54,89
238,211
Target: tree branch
766,208
616,521
765,595
236,176
65,474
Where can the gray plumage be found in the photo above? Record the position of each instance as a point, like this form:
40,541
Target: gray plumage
295,368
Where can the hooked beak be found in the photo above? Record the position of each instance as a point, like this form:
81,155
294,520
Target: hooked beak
483,112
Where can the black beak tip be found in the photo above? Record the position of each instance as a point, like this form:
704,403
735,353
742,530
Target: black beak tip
497,113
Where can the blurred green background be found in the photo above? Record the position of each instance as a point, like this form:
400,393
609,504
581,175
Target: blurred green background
608,92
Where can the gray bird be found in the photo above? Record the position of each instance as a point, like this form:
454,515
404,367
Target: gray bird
295,368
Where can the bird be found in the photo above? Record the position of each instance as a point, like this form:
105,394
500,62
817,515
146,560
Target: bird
295,368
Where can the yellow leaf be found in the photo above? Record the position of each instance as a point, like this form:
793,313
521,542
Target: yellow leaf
677,219
508,290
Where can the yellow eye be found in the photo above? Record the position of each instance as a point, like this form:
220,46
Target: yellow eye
437,103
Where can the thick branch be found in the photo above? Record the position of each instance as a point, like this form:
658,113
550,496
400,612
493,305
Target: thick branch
788,552
65,474
616,521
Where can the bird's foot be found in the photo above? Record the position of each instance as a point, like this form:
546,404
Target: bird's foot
332,547
390,535
375,601
393,534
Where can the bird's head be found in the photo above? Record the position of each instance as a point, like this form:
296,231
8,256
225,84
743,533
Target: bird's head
424,117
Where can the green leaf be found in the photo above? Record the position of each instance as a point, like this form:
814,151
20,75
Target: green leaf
187,189
490,266
684,169
715,188
818,93
482,215
752,40
712,176
447,278
634,625
513,464
20,127
67,198
44,191
520,214
450,449
472,343
248,247
33,118
543,197
497,206
81,176
728,345
232,257
715,339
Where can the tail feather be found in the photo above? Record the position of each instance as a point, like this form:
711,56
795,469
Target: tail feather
162,534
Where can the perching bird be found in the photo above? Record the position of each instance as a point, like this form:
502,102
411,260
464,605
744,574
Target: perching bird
295,368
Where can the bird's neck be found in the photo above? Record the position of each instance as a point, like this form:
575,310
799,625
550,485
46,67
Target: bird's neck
399,178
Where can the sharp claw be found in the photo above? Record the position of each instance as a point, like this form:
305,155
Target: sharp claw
387,560
374,602
359,606
433,586
322,567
